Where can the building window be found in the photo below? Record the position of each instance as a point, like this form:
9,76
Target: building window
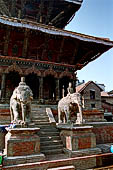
92,94
92,105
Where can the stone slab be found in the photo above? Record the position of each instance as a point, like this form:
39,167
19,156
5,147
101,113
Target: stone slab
82,152
23,159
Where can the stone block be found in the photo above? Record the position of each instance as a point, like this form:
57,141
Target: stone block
16,160
79,137
22,142
82,152
22,145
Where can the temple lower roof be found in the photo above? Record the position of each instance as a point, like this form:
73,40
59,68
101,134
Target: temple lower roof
52,30
76,49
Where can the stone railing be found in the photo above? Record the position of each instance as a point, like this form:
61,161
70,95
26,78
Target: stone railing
50,115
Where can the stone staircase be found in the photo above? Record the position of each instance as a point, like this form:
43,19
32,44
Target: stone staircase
50,141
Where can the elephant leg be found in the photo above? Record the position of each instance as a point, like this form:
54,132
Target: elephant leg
81,116
15,113
64,118
23,107
28,111
67,117
59,116
66,110
11,113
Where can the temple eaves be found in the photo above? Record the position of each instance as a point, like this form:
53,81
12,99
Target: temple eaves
52,30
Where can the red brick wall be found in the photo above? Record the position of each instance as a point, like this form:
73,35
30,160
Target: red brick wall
4,116
103,132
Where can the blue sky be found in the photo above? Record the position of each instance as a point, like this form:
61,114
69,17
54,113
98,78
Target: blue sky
95,17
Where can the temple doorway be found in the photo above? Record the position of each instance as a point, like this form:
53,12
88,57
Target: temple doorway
49,88
12,81
33,82
64,83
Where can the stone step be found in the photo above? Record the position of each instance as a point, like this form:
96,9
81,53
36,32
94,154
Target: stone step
71,167
50,147
43,143
43,133
42,123
49,128
40,116
40,120
35,110
52,152
51,138
38,110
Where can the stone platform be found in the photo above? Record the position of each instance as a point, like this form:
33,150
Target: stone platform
22,145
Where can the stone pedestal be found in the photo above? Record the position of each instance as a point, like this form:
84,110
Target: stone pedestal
22,145
78,140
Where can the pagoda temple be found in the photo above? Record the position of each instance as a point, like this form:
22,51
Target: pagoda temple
34,44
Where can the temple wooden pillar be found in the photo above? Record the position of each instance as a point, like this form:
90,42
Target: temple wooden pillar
3,84
41,97
57,90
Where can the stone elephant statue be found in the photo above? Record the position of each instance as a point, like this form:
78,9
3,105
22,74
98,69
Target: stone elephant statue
67,105
20,104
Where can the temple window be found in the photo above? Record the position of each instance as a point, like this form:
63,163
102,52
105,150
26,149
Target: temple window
92,94
92,105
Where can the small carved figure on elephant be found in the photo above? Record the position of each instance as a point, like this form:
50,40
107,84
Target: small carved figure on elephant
68,105
20,103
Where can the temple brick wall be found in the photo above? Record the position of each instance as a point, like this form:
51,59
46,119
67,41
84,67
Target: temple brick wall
103,132
5,116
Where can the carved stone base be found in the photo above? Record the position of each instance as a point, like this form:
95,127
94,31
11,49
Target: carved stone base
22,145
77,137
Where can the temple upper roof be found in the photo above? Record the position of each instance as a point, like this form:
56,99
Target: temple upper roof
57,13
